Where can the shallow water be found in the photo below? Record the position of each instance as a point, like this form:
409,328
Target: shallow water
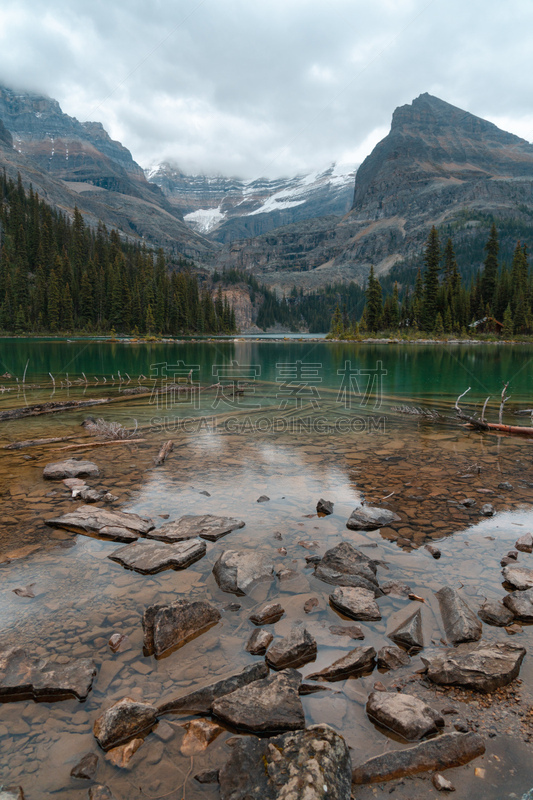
82,597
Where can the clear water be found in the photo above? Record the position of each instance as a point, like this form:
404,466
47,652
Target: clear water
238,451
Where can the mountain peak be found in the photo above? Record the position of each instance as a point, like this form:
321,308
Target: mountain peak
430,114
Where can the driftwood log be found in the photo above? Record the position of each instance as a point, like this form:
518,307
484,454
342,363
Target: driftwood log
49,408
482,425
166,449
36,442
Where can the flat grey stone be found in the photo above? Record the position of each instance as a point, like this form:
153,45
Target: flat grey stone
70,468
444,752
23,674
357,661
460,622
520,604
168,626
369,518
344,565
486,667
355,603
237,571
392,658
294,650
267,613
269,705
150,557
313,764
519,577
201,700
206,526
493,612
525,543
403,714
409,633
125,720
102,521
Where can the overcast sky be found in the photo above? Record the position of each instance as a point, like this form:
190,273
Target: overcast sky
267,87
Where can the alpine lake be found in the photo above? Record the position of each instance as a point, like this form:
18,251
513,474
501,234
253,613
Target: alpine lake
295,421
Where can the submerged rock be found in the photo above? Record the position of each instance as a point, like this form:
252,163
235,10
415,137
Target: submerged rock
11,793
444,752
200,734
201,700
102,521
392,658
237,571
357,661
123,721
355,603
206,526
86,768
344,565
24,674
396,589
487,510
313,764
168,626
150,557
207,776
460,622
369,518
519,577
121,756
353,631
294,650
100,793
485,668
493,612
442,784
520,604
268,705
259,641
409,633
70,468
404,714
267,613
324,507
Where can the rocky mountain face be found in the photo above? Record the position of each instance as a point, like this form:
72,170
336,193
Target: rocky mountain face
75,163
229,209
438,164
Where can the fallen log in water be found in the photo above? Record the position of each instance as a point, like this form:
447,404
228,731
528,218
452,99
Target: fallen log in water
101,444
49,408
166,449
36,442
482,425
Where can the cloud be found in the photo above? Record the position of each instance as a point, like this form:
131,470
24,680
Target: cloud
267,88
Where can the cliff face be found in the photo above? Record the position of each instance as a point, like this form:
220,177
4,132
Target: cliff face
436,161
229,209
72,163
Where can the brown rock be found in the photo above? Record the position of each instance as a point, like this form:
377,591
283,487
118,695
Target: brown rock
86,768
169,626
486,667
23,674
392,658
409,633
294,650
201,700
200,733
525,543
206,526
353,631
121,756
151,557
123,721
259,641
102,521
404,714
460,622
520,604
267,613
70,468
357,661
356,603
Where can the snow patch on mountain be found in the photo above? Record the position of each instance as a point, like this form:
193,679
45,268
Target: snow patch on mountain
205,219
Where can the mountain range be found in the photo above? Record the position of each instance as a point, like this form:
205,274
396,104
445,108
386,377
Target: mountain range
439,165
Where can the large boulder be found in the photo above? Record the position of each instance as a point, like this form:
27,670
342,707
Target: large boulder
125,720
404,714
356,603
201,700
117,525
167,626
269,705
206,526
294,650
151,557
520,604
460,622
519,577
485,668
25,674
356,662
344,565
70,468
237,571
408,634
369,518
444,752
313,764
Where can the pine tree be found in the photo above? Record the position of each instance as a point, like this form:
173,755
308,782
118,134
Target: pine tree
149,322
439,326
374,302
490,271
431,280
54,303
67,311
508,327
336,327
